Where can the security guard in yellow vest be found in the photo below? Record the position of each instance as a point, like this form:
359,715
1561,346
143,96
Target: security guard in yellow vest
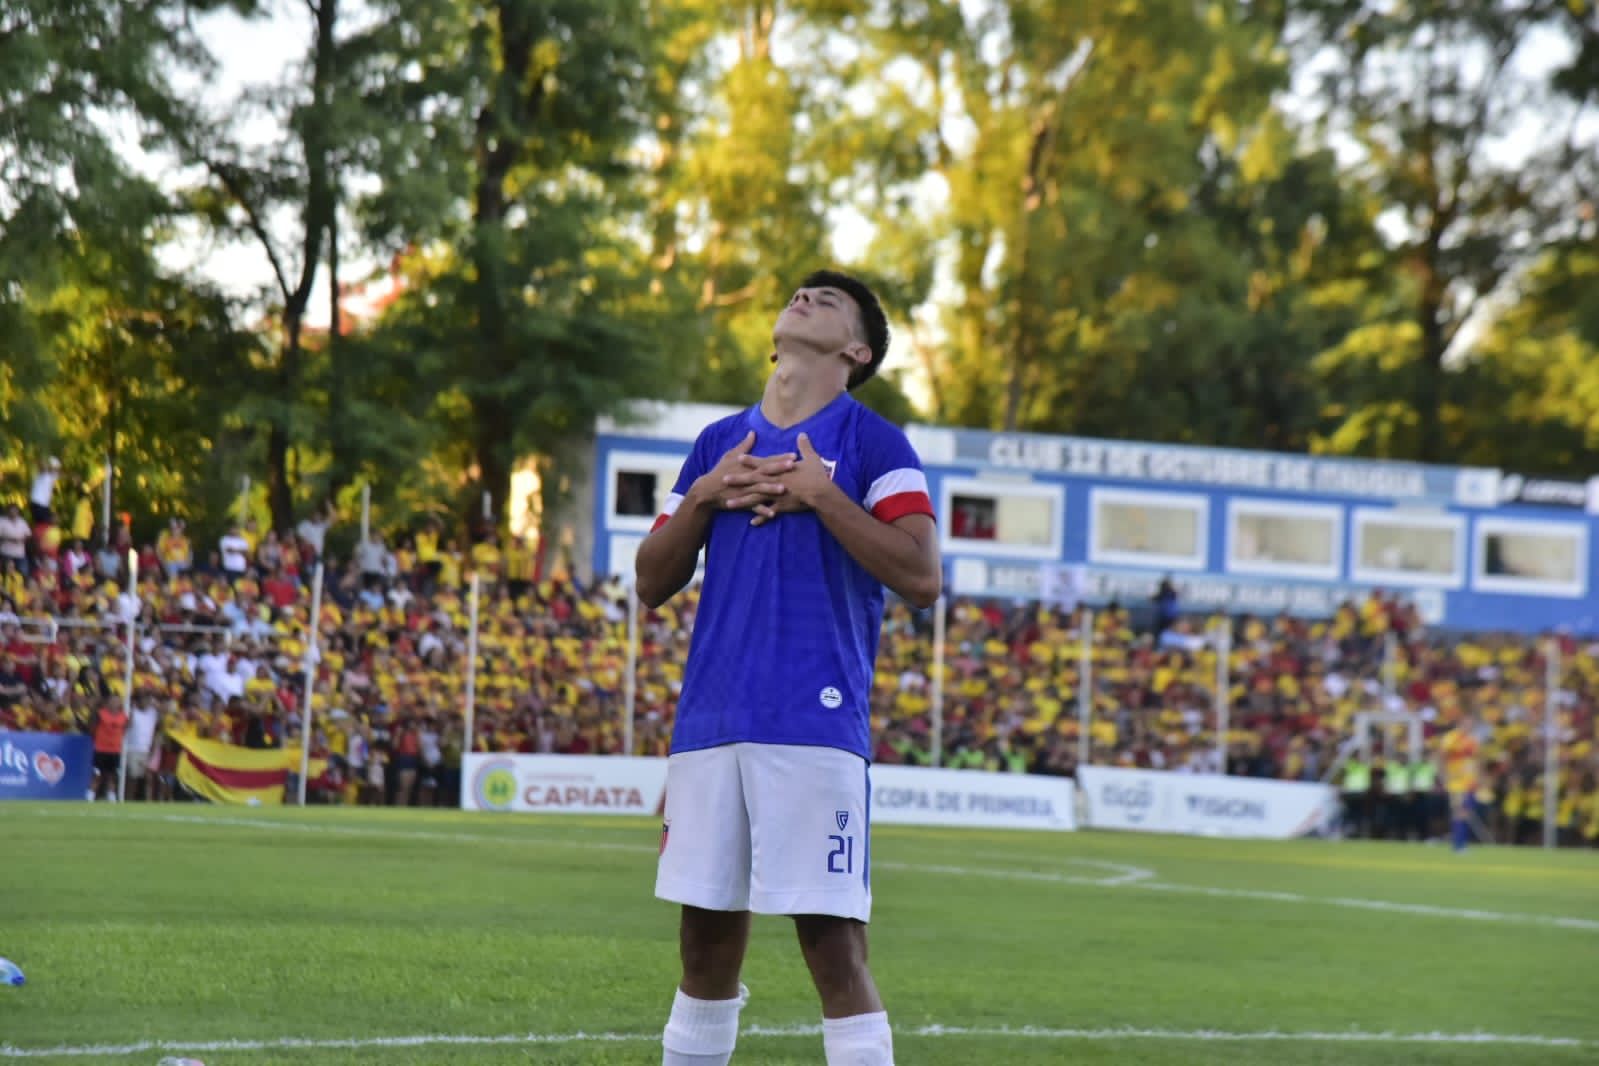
1426,802
1357,796
1396,798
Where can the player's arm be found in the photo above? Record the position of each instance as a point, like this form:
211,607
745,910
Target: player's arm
902,554
666,560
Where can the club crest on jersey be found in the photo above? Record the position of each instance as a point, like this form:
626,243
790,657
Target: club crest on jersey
842,817
830,465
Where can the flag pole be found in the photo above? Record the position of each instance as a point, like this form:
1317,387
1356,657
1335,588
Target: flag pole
630,677
469,712
127,679
1224,649
1551,742
311,657
1085,686
940,627
105,504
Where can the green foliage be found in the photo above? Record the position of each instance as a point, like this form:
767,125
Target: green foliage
1435,99
1224,224
1535,378
98,349
1120,213
135,362
516,122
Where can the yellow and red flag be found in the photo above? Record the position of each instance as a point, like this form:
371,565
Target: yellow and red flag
223,773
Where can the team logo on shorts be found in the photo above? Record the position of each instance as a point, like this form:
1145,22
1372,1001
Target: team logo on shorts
831,698
842,817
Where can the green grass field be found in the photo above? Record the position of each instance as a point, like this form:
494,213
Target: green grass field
271,936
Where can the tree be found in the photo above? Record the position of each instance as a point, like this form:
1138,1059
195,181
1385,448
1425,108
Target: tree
509,168
749,153
142,368
74,71
1248,285
1431,96
1082,147
247,192
1529,398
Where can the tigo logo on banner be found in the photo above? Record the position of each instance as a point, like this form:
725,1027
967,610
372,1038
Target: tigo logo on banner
1136,800
1205,804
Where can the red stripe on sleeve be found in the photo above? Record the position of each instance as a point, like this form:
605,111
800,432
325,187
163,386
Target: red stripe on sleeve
661,521
893,508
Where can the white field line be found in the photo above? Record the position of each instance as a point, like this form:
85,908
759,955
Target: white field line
1028,1032
354,830
1117,873
1589,925
1129,877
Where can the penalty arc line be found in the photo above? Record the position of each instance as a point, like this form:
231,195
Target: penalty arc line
1028,1032
1128,881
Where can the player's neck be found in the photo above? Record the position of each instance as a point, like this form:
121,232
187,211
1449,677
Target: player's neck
797,390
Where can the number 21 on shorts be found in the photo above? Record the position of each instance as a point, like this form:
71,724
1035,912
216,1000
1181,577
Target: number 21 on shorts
841,860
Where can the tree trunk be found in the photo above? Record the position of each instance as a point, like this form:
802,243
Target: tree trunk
318,139
495,154
280,490
1430,367
491,429
1026,332
493,462
342,467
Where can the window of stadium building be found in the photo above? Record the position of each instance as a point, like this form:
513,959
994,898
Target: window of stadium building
1531,558
1409,549
1021,520
1291,539
635,493
1165,530
639,483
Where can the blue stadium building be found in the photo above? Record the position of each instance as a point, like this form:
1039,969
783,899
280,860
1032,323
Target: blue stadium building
1027,515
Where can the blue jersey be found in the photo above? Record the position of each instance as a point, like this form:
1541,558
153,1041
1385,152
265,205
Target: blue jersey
786,634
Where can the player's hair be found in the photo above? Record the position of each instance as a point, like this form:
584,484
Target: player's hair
874,324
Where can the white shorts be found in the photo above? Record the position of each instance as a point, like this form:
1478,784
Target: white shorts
769,828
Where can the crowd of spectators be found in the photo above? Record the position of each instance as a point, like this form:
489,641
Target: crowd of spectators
221,648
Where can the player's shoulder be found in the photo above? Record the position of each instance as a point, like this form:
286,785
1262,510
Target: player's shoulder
876,436
872,427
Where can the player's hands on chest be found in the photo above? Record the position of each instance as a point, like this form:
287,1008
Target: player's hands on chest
739,479
800,487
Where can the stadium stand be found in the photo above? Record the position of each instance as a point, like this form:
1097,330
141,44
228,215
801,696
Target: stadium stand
221,646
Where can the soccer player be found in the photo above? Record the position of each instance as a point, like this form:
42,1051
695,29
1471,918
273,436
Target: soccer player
1460,778
807,505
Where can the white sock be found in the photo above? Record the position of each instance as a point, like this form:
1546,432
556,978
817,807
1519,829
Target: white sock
861,1040
702,1032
